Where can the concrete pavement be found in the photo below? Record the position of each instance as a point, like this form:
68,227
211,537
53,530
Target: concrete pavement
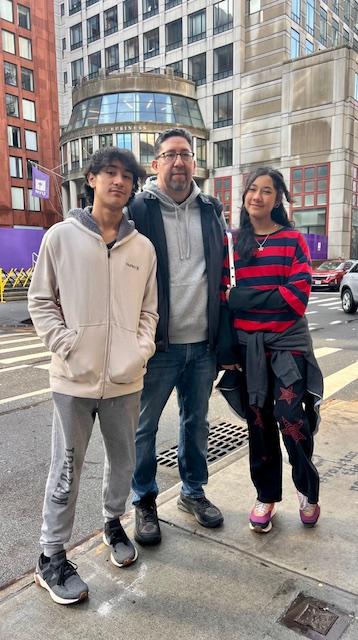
229,582
13,313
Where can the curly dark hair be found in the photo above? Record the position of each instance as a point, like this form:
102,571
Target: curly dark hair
105,157
246,242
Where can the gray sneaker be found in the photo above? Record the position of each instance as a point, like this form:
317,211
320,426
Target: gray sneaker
204,511
123,551
59,576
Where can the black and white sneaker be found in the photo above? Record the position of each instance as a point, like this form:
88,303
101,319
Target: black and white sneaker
147,529
123,551
59,576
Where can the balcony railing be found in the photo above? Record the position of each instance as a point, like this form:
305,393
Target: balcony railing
107,32
197,36
131,61
151,53
93,37
174,45
76,45
149,14
223,27
222,74
89,2
75,7
130,21
171,3
222,123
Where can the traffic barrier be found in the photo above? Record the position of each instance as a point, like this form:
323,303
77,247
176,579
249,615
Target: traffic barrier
14,283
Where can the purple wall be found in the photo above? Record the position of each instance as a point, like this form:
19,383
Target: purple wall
17,245
318,245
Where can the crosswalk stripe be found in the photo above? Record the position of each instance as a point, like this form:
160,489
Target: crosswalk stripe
11,335
19,366
336,322
329,304
30,356
21,340
308,313
320,300
22,347
325,351
42,366
336,381
25,395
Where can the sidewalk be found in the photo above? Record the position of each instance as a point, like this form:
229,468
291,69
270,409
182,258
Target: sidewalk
228,583
12,314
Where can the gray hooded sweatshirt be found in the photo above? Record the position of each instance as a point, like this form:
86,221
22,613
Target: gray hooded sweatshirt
188,318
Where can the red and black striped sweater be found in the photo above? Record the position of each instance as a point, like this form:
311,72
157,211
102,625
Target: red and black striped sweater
273,287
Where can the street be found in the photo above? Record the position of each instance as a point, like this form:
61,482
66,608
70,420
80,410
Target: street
25,428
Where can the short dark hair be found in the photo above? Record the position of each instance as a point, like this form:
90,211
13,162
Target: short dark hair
171,133
105,157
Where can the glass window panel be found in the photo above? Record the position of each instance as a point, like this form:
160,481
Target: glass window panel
297,187
173,34
10,73
322,185
201,158
150,8
146,147
34,202
124,141
13,136
223,62
297,201
223,153
105,140
108,111
126,107
25,48
223,113
197,68
6,10
295,44
130,12
28,110
146,107
181,112
309,172
297,174
93,28
31,140
197,26
322,170
12,105
163,108
94,106
8,41
27,79
309,201
15,166
321,198
131,51
17,198
94,64
223,15
87,149
112,57
309,186
77,70
23,15
151,43
195,114
310,9
309,47
110,20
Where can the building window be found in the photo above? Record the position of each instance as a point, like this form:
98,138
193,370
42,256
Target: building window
29,165
63,45
112,58
90,2
94,64
28,110
146,146
347,11
335,33
335,6
124,141
345,36
309,47
296,10
356,86
171,3
23,16
131,51
223,59
295,44
75,154
197,68
197,26
6,12
223,153
177,68
201,159
15,166
151,43
65,77
310,16
130,12
223,192
310,192
30,140
17,198
33,201
62,9
25,48
223,16
150,8
87,148
8,41
93,29
76,36
222,109
12,105
10,73
110,20
74,6
76,71
323,26
254,6
14,137
173,35
105,140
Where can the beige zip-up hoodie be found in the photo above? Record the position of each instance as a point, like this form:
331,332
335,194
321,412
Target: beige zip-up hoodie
94,308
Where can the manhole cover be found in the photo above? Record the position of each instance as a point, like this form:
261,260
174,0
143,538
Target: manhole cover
223,438
316,619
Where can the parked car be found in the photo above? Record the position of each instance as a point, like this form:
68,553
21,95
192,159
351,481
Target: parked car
349,289
330,273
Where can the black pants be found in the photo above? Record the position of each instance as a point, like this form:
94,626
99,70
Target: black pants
284,410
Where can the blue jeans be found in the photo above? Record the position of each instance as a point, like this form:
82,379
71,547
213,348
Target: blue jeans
191,369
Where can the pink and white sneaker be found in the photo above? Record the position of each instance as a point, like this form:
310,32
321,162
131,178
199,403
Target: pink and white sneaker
309,513
261,516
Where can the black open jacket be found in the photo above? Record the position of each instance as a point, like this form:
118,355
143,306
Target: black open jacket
145,211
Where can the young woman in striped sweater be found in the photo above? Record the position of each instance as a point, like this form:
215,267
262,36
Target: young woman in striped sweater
272,346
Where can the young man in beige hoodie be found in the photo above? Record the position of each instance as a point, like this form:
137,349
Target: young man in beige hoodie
93,302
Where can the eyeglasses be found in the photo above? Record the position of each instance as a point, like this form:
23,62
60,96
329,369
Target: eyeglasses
170,156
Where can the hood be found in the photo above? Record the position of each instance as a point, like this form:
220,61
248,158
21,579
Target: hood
179,210
84,216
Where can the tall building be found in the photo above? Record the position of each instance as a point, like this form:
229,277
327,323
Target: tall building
255,81
29,126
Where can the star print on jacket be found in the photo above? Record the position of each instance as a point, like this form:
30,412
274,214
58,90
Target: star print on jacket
293,429
287,394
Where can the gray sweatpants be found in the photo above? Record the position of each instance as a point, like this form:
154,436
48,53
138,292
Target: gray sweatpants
73,420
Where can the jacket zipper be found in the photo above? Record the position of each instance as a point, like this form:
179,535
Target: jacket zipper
106,350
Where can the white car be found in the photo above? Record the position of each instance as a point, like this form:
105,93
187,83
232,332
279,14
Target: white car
349,289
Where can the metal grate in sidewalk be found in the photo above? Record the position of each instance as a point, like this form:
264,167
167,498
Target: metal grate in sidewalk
224,437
